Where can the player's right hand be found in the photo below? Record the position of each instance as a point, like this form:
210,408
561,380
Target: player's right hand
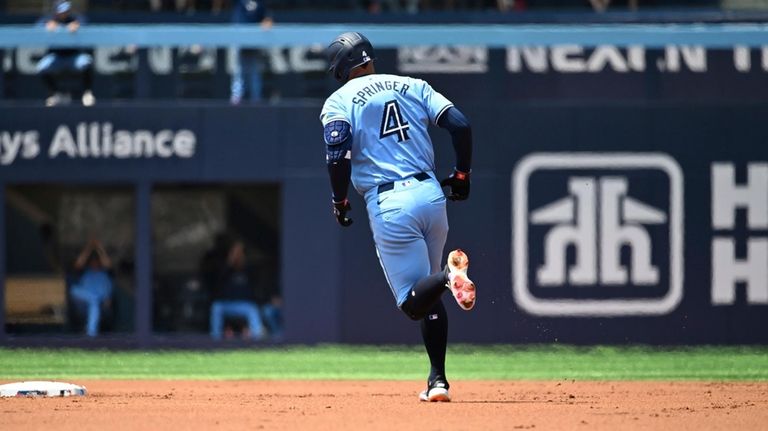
340,210
459,183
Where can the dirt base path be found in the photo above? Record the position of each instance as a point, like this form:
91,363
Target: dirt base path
372,405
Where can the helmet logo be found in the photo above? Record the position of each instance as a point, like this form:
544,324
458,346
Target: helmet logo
366,57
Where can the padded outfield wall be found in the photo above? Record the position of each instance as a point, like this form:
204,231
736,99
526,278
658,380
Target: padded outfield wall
608,223
620,187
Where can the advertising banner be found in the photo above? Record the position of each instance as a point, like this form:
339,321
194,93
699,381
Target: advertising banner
475,72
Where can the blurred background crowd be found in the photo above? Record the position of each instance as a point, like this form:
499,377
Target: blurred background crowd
375,6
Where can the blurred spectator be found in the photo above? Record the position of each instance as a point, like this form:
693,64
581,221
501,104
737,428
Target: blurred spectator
188,5
602,5
248,62
59,61
234,295
506,5
461,4
410,6
744,4
217,5
272,311
179,5
92,291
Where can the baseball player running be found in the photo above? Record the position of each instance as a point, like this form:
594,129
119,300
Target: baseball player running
375,130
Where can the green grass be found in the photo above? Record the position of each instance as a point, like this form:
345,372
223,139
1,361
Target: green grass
393,363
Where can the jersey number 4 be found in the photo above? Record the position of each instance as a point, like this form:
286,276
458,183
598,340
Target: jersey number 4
393,123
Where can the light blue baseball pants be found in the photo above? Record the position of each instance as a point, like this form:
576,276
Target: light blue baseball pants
410,227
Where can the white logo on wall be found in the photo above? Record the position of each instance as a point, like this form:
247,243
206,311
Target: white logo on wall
165,60
442,59
729,269
635,58
596,220
577,224
97,140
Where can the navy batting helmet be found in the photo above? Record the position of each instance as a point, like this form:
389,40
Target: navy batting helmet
346,52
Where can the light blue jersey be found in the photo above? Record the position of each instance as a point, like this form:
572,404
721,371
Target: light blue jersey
389,116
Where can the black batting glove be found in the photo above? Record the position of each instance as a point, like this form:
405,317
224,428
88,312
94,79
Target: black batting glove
459,183
340,210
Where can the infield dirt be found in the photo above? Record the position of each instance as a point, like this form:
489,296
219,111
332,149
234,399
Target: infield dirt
388,405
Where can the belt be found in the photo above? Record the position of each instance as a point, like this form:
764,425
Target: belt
421,176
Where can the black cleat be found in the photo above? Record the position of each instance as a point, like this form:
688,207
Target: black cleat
437,390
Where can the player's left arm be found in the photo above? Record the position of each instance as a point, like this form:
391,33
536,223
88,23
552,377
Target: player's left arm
338,146
457,124
442,112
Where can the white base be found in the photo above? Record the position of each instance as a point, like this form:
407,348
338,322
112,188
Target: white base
41,389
